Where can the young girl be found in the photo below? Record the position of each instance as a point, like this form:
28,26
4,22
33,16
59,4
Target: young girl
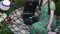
46,21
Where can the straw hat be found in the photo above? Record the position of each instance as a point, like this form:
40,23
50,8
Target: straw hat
4,5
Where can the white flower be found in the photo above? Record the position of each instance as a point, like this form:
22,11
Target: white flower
3,17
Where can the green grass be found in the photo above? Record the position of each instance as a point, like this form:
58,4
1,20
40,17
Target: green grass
5,29
57,11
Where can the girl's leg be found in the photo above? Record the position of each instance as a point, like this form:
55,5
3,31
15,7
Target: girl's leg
38,28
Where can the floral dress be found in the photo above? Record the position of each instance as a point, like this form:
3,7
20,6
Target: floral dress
40,26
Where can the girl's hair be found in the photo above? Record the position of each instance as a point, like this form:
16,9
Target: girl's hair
40,4
48,6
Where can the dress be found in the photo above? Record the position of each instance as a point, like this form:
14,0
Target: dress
40,26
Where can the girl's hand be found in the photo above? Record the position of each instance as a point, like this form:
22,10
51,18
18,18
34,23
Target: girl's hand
48,28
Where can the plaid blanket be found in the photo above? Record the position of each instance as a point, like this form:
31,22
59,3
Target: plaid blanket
18,27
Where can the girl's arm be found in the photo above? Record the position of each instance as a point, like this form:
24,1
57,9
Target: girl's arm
52,8
51,18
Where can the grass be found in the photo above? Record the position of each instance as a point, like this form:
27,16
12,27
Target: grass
5,29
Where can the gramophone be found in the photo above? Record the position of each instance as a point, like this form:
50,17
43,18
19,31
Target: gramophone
29,11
